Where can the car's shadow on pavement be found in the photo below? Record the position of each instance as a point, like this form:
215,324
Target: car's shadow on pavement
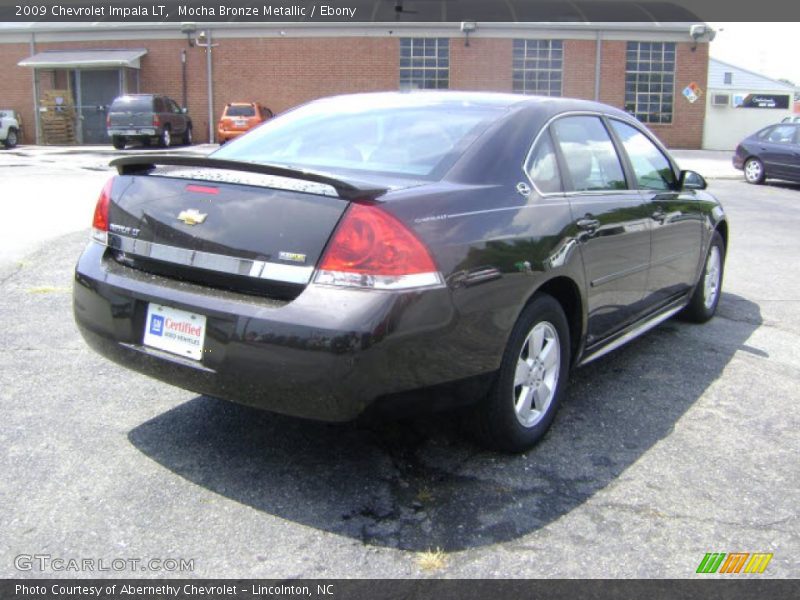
421,484
784,185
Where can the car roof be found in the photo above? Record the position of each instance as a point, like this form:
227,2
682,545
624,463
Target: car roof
432,98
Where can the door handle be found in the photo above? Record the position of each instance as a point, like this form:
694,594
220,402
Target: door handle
588,223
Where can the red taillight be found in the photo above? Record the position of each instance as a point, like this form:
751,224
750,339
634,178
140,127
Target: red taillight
108,120
100,221
156,121
372,248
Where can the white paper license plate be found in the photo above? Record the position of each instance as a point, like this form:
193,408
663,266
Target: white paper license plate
240,122
176,331
131,132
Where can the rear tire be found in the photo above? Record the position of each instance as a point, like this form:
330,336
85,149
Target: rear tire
708,290
531,381
118,142
187,137
165,139
754,171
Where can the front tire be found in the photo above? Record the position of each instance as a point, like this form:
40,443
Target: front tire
11,139
708,290
754,171
118,142
529,386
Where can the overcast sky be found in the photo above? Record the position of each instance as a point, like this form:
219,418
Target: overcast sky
767,48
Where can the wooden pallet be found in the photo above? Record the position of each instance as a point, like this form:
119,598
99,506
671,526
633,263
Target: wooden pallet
57,121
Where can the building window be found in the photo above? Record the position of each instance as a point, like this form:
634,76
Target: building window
538,67
728,78
650,81
424,63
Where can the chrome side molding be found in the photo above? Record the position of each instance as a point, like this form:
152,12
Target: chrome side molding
641,328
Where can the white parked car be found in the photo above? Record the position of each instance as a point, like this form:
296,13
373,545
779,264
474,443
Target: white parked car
9,128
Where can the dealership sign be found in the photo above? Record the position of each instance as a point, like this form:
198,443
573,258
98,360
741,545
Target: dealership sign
765,101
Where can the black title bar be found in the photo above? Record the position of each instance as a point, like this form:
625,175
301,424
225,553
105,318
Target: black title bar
383,11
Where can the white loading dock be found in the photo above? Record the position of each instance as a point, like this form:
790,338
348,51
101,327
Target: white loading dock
739,103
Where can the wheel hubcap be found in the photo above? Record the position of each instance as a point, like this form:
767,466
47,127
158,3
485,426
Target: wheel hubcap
12,138
536,376
753,170
711,281
166,137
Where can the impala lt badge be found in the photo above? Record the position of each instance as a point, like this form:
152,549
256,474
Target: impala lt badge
292,256
192,216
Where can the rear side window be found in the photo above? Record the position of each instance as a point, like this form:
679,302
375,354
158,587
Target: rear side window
590,158
132,104
652,169
782,134
542,167
240,111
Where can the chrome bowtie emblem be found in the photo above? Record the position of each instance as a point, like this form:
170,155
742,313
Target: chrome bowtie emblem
192,216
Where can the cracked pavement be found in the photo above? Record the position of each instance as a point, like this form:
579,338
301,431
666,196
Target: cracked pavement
684,442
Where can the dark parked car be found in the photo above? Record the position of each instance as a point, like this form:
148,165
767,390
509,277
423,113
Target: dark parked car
356,249
147,118
772,152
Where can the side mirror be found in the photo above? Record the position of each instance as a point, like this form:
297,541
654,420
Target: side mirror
692,181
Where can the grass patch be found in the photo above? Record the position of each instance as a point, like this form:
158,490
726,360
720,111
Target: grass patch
47,289
432,560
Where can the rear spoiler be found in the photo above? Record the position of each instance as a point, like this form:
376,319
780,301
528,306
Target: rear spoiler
134,165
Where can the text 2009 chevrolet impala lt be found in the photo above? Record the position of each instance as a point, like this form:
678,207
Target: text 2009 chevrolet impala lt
360,247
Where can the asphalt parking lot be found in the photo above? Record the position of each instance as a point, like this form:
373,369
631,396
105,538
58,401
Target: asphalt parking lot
684,442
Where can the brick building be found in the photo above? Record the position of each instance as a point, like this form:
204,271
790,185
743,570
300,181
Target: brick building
642,67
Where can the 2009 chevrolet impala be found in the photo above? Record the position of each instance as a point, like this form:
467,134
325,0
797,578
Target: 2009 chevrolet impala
361,247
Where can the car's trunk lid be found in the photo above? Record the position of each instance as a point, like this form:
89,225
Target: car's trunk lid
246,231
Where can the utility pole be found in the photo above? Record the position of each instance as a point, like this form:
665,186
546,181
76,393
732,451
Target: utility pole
204,41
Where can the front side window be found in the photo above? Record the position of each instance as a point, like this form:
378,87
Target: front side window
542,167
590,158
538,67
424,63
652,169
650,81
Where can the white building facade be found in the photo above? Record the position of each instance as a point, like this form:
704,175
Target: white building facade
740,102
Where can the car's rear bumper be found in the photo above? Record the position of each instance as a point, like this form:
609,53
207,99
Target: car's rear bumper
739,157
132,131
228,135
328,354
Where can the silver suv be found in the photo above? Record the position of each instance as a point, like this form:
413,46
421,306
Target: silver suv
147,118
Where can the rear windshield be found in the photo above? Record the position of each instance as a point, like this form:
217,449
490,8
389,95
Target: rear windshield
386,138
132,104
240,111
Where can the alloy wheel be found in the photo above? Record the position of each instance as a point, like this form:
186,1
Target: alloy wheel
711,280
536,375
753,171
